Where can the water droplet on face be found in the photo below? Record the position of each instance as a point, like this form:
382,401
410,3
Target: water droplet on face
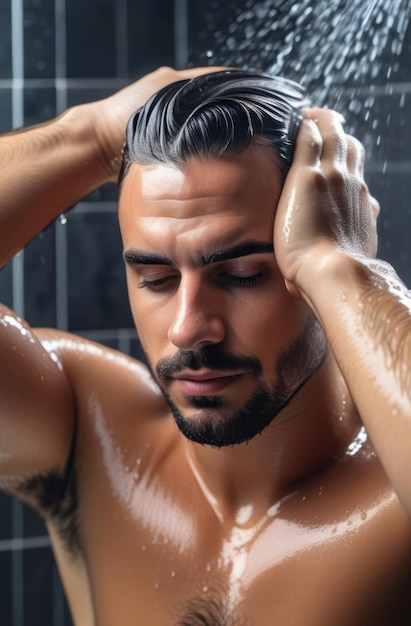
208,567
144,548
343,297
156,585
205,588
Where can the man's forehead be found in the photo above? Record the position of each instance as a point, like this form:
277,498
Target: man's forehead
202,176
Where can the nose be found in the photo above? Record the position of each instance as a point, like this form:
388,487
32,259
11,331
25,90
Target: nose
198,320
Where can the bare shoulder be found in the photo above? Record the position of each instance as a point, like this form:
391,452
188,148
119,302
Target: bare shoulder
94,368
102,376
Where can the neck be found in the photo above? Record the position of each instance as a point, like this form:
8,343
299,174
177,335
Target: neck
315,428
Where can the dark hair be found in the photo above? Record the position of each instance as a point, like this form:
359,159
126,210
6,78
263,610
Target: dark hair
214,115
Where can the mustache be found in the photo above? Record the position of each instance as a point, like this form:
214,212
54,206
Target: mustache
210,357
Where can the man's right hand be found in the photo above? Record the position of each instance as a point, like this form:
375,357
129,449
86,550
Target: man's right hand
110,116
49,167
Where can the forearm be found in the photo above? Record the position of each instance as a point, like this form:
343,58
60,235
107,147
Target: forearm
365,311
43,171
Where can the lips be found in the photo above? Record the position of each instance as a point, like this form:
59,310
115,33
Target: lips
204,382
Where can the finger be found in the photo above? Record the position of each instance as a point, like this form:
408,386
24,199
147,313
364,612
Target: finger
355,156
309,144
330,125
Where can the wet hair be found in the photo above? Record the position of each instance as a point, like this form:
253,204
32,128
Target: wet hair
215,115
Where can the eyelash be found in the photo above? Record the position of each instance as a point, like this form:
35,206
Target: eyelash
242,281
226,279
152,284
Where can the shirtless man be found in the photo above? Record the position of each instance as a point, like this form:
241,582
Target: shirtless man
229,269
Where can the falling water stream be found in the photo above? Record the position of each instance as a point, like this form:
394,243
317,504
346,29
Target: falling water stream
352,55
343,51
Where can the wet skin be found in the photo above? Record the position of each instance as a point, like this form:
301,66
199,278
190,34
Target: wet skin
300,525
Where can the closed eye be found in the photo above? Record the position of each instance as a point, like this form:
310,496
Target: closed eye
240,281
157,283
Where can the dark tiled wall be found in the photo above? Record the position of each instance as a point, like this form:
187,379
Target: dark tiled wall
66,52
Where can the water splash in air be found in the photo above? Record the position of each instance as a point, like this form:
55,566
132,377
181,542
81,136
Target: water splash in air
325,45
322,44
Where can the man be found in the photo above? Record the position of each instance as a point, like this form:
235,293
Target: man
276,342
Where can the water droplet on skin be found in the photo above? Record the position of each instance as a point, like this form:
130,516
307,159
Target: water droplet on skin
394,412
343,297
173,574
205,588
144,548
156,585
208,567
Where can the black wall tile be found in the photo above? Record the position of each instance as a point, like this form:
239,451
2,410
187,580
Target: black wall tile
136,351
6,526
392,191
40,279
6,291
5,589
150,32
38,586
39,104
96,276
5,110
91,38
5,39
39,39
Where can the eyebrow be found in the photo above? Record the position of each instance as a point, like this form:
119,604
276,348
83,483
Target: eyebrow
138,257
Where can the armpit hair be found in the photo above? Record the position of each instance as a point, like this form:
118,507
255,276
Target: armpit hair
54,496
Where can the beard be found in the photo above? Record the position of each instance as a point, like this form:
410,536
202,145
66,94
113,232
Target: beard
216,425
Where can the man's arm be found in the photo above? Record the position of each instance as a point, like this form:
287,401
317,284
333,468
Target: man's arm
43,171
49,167
325,241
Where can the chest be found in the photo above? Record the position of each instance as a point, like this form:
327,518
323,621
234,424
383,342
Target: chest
171,562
